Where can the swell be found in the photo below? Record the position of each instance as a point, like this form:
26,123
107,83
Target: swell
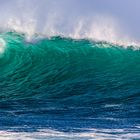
66,70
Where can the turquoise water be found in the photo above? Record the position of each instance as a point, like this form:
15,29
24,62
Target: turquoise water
70,88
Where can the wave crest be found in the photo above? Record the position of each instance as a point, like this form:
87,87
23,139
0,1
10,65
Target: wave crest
97,29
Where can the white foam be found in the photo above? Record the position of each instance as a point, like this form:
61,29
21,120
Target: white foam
27,26
48,134
2,46
98,29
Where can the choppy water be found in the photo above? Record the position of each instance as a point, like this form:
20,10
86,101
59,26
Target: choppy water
61,88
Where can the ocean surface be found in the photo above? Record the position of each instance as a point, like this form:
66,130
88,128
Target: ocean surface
61,88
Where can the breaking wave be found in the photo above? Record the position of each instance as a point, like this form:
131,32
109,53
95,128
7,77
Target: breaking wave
67,70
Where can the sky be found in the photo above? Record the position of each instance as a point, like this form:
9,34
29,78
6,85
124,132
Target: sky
64,14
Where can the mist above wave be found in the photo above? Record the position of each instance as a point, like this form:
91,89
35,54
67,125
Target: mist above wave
53,18
97,29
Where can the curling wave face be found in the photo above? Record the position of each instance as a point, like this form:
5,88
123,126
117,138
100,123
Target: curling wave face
75,72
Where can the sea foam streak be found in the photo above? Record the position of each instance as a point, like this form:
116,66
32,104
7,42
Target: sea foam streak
98,134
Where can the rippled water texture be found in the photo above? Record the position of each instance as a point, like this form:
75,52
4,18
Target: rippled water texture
61,88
